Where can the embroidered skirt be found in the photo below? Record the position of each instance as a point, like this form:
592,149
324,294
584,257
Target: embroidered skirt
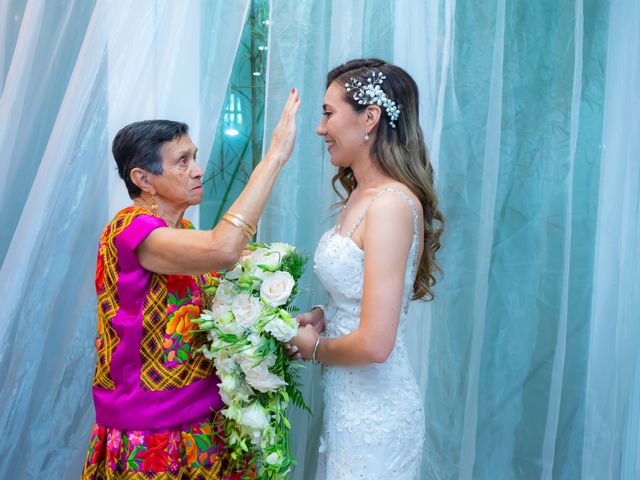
193,451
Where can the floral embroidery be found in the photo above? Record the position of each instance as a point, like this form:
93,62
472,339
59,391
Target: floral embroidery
198,448
100,267
183,305
156,456
96,450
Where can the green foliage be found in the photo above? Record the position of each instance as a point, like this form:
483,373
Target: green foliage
294,263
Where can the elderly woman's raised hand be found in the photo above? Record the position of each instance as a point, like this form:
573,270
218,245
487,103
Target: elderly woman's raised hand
284,135
172,251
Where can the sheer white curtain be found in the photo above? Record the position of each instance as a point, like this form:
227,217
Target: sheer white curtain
612,426
527,360
72,74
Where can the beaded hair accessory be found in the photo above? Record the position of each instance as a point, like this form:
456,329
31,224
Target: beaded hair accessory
372,94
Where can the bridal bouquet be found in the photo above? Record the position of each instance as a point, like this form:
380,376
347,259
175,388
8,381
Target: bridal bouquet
247,325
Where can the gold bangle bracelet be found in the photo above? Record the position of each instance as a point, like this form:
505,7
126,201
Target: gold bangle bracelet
239,221
239,217
245,233
238,225
247,225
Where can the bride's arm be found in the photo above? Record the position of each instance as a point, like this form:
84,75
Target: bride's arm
387,237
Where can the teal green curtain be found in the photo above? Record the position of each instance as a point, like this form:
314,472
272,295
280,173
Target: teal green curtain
237,147
527,360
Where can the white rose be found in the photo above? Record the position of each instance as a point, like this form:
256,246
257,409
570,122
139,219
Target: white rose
218,309
217,345
264,256
229,383
224,397
247,309
258,376
247,263
227,324
225,365
256,340
224,293
273,458
281,329
233,390
276,288
267,256
260,257
259,274
253,417
243,392
208,354
233,412
227,387
283,249
235,273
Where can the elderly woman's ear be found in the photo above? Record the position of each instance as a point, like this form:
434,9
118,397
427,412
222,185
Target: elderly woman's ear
140,178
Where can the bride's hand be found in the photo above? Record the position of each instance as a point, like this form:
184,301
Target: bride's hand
283,137
315,318
294,353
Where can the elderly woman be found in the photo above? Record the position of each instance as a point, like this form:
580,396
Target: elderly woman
155,396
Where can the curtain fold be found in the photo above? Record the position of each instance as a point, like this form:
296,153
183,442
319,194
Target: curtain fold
72,74
612,425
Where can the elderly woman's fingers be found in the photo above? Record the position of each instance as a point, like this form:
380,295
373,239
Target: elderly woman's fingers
294,102
288,117
287,109
283,137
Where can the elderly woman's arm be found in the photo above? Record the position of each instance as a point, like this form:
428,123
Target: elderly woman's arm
187,252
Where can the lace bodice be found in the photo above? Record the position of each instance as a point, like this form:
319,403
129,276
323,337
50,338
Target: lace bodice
339,264
374,423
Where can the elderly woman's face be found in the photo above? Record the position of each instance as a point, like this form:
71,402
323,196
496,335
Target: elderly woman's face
181,181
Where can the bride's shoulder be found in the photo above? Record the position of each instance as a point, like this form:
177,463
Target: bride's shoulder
390,223
391,216
396,199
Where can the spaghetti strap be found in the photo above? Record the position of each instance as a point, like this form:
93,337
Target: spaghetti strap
366,208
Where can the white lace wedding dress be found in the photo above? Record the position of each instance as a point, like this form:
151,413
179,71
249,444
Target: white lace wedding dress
373,424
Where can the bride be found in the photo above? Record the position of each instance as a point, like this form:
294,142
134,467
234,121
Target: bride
378,257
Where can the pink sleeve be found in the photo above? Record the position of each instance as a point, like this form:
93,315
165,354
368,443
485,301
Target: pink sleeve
139,228
131,236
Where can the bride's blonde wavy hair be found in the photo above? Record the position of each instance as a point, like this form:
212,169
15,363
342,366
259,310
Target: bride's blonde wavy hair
400,153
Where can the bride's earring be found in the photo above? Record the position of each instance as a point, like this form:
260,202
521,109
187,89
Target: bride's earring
366,136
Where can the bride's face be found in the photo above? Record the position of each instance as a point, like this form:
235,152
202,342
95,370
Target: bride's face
342,127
